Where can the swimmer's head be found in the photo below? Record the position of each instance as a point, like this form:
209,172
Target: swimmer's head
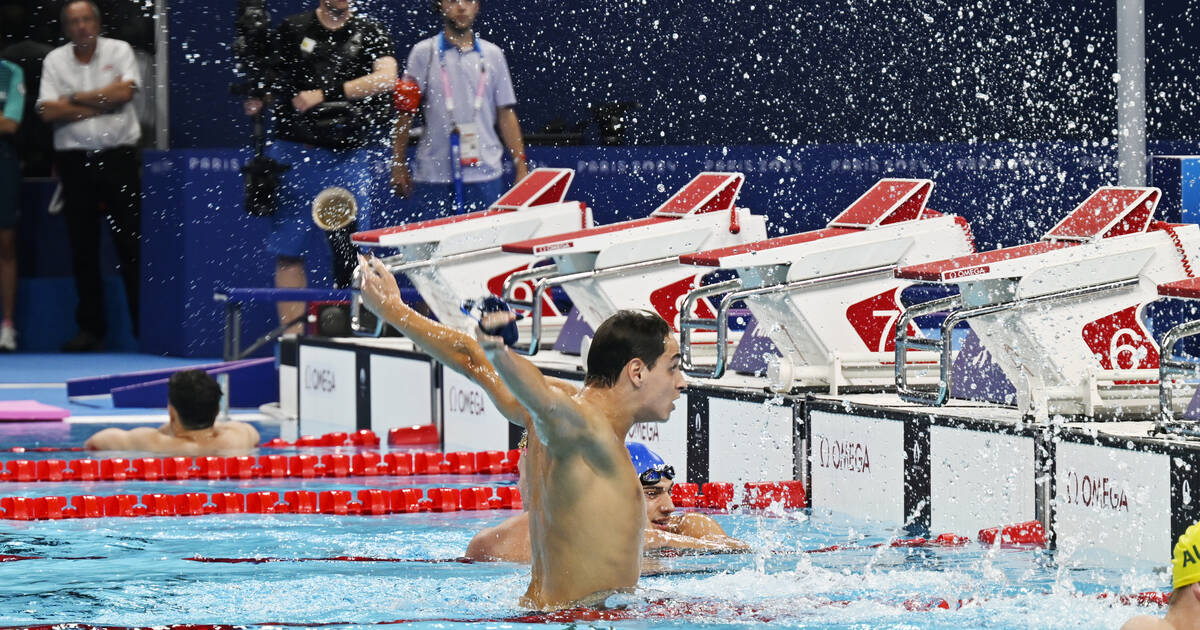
649,466
636,352
657,480
195,397
1185,561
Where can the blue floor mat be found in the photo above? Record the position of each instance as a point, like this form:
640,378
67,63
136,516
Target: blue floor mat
58,368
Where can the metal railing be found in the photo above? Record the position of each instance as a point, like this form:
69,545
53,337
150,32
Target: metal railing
687,325
1168,367
942,346
544,278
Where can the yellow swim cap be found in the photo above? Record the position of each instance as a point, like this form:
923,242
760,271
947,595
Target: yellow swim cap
1185,562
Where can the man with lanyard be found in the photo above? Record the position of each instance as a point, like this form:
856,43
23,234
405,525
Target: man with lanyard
87,94
462,84
332,76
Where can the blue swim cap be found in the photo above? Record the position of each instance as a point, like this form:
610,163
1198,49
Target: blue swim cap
643,458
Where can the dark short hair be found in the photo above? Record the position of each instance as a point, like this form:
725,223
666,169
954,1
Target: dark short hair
625,336
62,14
196,398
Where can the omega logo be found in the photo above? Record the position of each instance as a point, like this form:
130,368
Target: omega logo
645,432
839,455
468,401
1094,492
319,379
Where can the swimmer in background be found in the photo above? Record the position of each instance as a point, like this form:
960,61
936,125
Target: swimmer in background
193,401
1183,609
668,529
586,507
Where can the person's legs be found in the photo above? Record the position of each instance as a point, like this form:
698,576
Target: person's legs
83,232
430,201
481,195
352,170
290,225
121,189
289,274
10,197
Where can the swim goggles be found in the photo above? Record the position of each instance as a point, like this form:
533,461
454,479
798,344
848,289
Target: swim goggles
656,474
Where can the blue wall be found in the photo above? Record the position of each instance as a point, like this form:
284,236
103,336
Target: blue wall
738,72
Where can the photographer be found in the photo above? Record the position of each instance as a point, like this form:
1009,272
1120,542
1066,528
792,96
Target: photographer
331,78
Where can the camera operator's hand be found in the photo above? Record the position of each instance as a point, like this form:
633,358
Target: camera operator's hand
308,99
401,180
252,106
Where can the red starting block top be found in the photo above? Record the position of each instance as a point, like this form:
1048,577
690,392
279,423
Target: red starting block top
953,269
1189,289
707,192
542,186
1108,212
713,257
555,242
372,236
888,201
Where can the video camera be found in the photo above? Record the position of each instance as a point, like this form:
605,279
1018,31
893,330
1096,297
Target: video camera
252,57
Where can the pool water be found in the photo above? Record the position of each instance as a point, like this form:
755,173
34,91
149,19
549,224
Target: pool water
138,572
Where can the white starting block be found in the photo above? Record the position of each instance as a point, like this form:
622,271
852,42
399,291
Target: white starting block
828,298
451,259
635,264
1062,317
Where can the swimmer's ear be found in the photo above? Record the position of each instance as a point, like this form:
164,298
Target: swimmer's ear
636,368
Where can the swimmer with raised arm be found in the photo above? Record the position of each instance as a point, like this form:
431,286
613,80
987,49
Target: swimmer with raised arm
1183,609
585,503
193,402
667,529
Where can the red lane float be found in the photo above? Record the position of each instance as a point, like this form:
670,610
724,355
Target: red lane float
336,465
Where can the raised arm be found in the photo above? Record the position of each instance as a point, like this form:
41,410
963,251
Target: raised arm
557,418
452,348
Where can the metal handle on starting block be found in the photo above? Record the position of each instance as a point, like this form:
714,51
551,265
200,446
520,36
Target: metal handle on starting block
1168,367
943,345
689,324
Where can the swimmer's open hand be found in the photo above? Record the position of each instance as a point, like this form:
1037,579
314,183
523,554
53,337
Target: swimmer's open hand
378,286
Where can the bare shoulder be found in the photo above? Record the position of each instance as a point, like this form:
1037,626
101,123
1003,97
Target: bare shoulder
1146,622
563,387
505,542
234,434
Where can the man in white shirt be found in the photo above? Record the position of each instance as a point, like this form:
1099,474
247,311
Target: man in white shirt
86,94
465,87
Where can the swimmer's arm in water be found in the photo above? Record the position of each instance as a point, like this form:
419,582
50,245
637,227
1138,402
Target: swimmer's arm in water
452,348
704,527
658,539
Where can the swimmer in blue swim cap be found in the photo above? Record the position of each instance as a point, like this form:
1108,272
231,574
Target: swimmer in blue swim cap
1183,609
665,528
668,529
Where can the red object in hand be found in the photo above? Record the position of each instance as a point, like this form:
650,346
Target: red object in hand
407,95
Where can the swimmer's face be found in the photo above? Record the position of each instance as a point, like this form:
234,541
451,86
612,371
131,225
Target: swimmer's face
659,506
664,382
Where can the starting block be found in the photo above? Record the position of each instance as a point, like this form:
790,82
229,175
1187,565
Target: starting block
828,299
1062,317
635,264
455,258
